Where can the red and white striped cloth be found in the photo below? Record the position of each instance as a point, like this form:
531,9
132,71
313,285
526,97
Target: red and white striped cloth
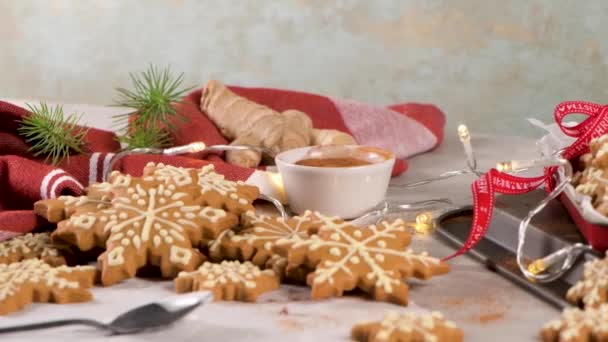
406,129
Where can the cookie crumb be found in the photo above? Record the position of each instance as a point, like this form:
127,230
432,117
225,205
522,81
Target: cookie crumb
491,317
290,324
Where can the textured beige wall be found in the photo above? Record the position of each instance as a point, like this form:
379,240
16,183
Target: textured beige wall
488,63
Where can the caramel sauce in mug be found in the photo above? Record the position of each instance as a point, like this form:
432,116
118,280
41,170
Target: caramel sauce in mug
343,156
332,162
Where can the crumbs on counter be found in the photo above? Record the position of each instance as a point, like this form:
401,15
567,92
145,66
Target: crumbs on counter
488,318
485,309
290,324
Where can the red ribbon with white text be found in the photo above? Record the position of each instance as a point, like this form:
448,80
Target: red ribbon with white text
484,188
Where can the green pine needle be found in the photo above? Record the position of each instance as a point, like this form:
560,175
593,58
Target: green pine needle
150,137
154,92
50,133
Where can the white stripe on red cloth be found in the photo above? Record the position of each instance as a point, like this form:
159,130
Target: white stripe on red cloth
44,186
93,167
63,179
106,165
385,128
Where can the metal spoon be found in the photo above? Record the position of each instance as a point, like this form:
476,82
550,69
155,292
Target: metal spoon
146,317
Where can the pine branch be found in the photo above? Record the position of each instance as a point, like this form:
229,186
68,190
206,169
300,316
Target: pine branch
50,133
152,97
140,137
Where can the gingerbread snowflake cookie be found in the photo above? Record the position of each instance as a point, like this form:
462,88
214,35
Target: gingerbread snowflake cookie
578,325
228,280
592,290
97,196
30,246
33,280
213,188
147,223
288,274
374,259
62,207
408,327
260,234
257,240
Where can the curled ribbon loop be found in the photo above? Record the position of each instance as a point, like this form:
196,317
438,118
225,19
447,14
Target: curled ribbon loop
576,107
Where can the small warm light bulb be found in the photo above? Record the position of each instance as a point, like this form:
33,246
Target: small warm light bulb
424,223
463,133
504,166
190,148
537,267
198,146
276,180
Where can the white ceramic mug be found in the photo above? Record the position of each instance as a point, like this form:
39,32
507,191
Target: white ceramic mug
347,192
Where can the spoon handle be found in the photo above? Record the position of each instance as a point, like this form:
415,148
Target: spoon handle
54,324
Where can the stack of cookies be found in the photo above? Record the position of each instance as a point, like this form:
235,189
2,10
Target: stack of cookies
32,268
593,179
202,231
588,321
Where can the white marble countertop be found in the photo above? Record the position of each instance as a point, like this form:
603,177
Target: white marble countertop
485,305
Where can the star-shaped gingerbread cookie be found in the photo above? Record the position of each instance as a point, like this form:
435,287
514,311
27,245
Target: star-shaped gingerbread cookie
213,188
30,246
373,259
62,207
98,196
146,223
578,325
260,233
592,290
33,280
257,239
228,280
408,327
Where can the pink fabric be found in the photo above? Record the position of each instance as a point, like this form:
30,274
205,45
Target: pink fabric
386,128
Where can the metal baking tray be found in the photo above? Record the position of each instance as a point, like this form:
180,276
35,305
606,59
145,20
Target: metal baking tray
549,230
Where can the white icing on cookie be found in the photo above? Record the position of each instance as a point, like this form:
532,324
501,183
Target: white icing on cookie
594,284
83,221
580,325
140,220
137,220
233,272
34,271
34,245
207,180
171,174
347,250
266,230
395,325
180,255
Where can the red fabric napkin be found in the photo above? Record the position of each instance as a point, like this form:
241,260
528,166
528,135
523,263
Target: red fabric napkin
406,129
